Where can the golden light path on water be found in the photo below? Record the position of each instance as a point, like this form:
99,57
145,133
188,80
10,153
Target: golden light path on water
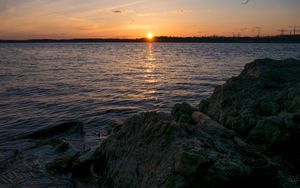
150,68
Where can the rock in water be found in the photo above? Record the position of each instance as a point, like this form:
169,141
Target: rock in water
61,129
62,165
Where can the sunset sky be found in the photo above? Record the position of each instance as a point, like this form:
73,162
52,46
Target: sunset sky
27,19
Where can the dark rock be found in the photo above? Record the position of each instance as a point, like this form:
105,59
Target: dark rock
82,170
60,145
183,112
268,108
62,165
151,150
262,105
203,105
7,157
246,105
296,119
99,161
79,170
64,128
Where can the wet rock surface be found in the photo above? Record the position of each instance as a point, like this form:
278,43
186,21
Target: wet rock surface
250,137
57,130
53,156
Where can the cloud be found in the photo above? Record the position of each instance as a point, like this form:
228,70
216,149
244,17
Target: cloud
117,11
180,11
121,11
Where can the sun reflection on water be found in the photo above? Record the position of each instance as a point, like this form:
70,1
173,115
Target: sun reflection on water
150,65
150,53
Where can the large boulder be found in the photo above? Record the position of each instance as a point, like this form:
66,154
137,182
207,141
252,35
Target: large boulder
153,150
262,104
250,137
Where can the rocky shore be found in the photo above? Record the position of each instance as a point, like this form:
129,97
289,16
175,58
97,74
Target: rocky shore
247,134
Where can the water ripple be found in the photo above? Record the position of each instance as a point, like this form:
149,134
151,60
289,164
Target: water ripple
45,84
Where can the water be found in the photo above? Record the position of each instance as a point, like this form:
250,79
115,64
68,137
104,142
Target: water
44,84
99,84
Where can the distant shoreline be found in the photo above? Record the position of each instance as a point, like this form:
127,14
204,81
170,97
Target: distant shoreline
210,39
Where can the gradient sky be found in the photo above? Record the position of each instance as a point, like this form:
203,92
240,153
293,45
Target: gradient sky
25,19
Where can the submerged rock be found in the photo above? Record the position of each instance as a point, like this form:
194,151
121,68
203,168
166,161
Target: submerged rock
61,129
62,165
59,144
7,157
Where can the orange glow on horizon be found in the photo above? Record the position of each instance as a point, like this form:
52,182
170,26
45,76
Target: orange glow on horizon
136,19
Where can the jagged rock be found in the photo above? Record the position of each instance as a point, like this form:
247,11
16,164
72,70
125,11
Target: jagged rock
152,150
61,129
261,104
183,112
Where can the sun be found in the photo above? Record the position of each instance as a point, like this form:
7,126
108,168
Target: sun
150,36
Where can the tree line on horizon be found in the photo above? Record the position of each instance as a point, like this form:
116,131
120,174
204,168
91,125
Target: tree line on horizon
215,38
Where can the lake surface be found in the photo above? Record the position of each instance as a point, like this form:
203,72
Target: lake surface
99,83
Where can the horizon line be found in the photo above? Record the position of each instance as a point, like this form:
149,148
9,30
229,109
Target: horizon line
155,37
